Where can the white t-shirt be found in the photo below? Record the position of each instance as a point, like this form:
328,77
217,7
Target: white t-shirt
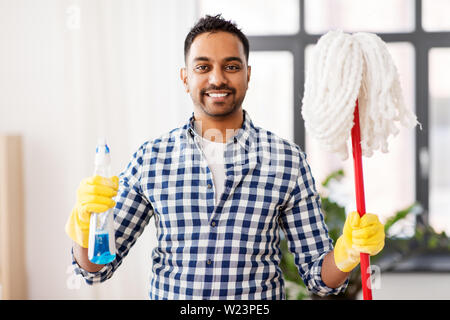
214,153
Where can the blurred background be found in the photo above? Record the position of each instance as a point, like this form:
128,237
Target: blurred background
72,70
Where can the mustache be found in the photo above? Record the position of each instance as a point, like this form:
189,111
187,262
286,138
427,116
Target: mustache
217,88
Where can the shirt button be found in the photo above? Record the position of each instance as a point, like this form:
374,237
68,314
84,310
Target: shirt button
209,186
208,261
213,224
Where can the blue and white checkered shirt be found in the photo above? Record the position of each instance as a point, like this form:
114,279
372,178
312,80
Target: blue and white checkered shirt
228,250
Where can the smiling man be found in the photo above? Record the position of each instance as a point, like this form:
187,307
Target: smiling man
221,190
217,75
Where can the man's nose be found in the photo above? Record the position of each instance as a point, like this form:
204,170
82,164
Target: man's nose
217,77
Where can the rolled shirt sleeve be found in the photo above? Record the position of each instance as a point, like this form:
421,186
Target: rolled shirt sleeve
303,224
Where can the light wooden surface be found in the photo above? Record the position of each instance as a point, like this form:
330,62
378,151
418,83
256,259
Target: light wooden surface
12,227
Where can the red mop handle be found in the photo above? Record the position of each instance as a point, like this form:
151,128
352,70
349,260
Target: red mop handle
360,200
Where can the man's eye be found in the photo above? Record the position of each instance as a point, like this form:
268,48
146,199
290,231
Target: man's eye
232,67
201,68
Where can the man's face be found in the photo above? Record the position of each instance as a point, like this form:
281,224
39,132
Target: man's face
216,73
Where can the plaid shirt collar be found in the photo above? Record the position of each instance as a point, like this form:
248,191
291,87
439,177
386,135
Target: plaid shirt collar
244,136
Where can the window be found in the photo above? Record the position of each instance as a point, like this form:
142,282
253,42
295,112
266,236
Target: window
418,36
256,17
269,102
439,80
435,15
357,15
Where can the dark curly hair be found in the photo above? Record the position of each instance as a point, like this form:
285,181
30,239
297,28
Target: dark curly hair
214,24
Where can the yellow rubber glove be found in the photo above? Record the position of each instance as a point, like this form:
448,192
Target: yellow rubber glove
364,235
93,195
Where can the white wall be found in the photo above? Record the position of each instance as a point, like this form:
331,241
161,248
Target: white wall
62,84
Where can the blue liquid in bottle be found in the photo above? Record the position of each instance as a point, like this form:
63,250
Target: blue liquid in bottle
102,247
102,254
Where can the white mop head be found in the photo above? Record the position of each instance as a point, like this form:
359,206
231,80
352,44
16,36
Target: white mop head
344,68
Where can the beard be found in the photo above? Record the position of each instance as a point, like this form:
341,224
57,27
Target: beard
219,109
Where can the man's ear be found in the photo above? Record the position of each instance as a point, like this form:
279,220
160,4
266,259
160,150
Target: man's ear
249,71
183,77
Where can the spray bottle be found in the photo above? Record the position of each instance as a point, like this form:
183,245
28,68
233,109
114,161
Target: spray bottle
102,244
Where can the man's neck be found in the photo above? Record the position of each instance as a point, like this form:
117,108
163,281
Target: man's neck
218,129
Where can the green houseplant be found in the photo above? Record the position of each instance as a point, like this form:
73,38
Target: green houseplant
396,248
